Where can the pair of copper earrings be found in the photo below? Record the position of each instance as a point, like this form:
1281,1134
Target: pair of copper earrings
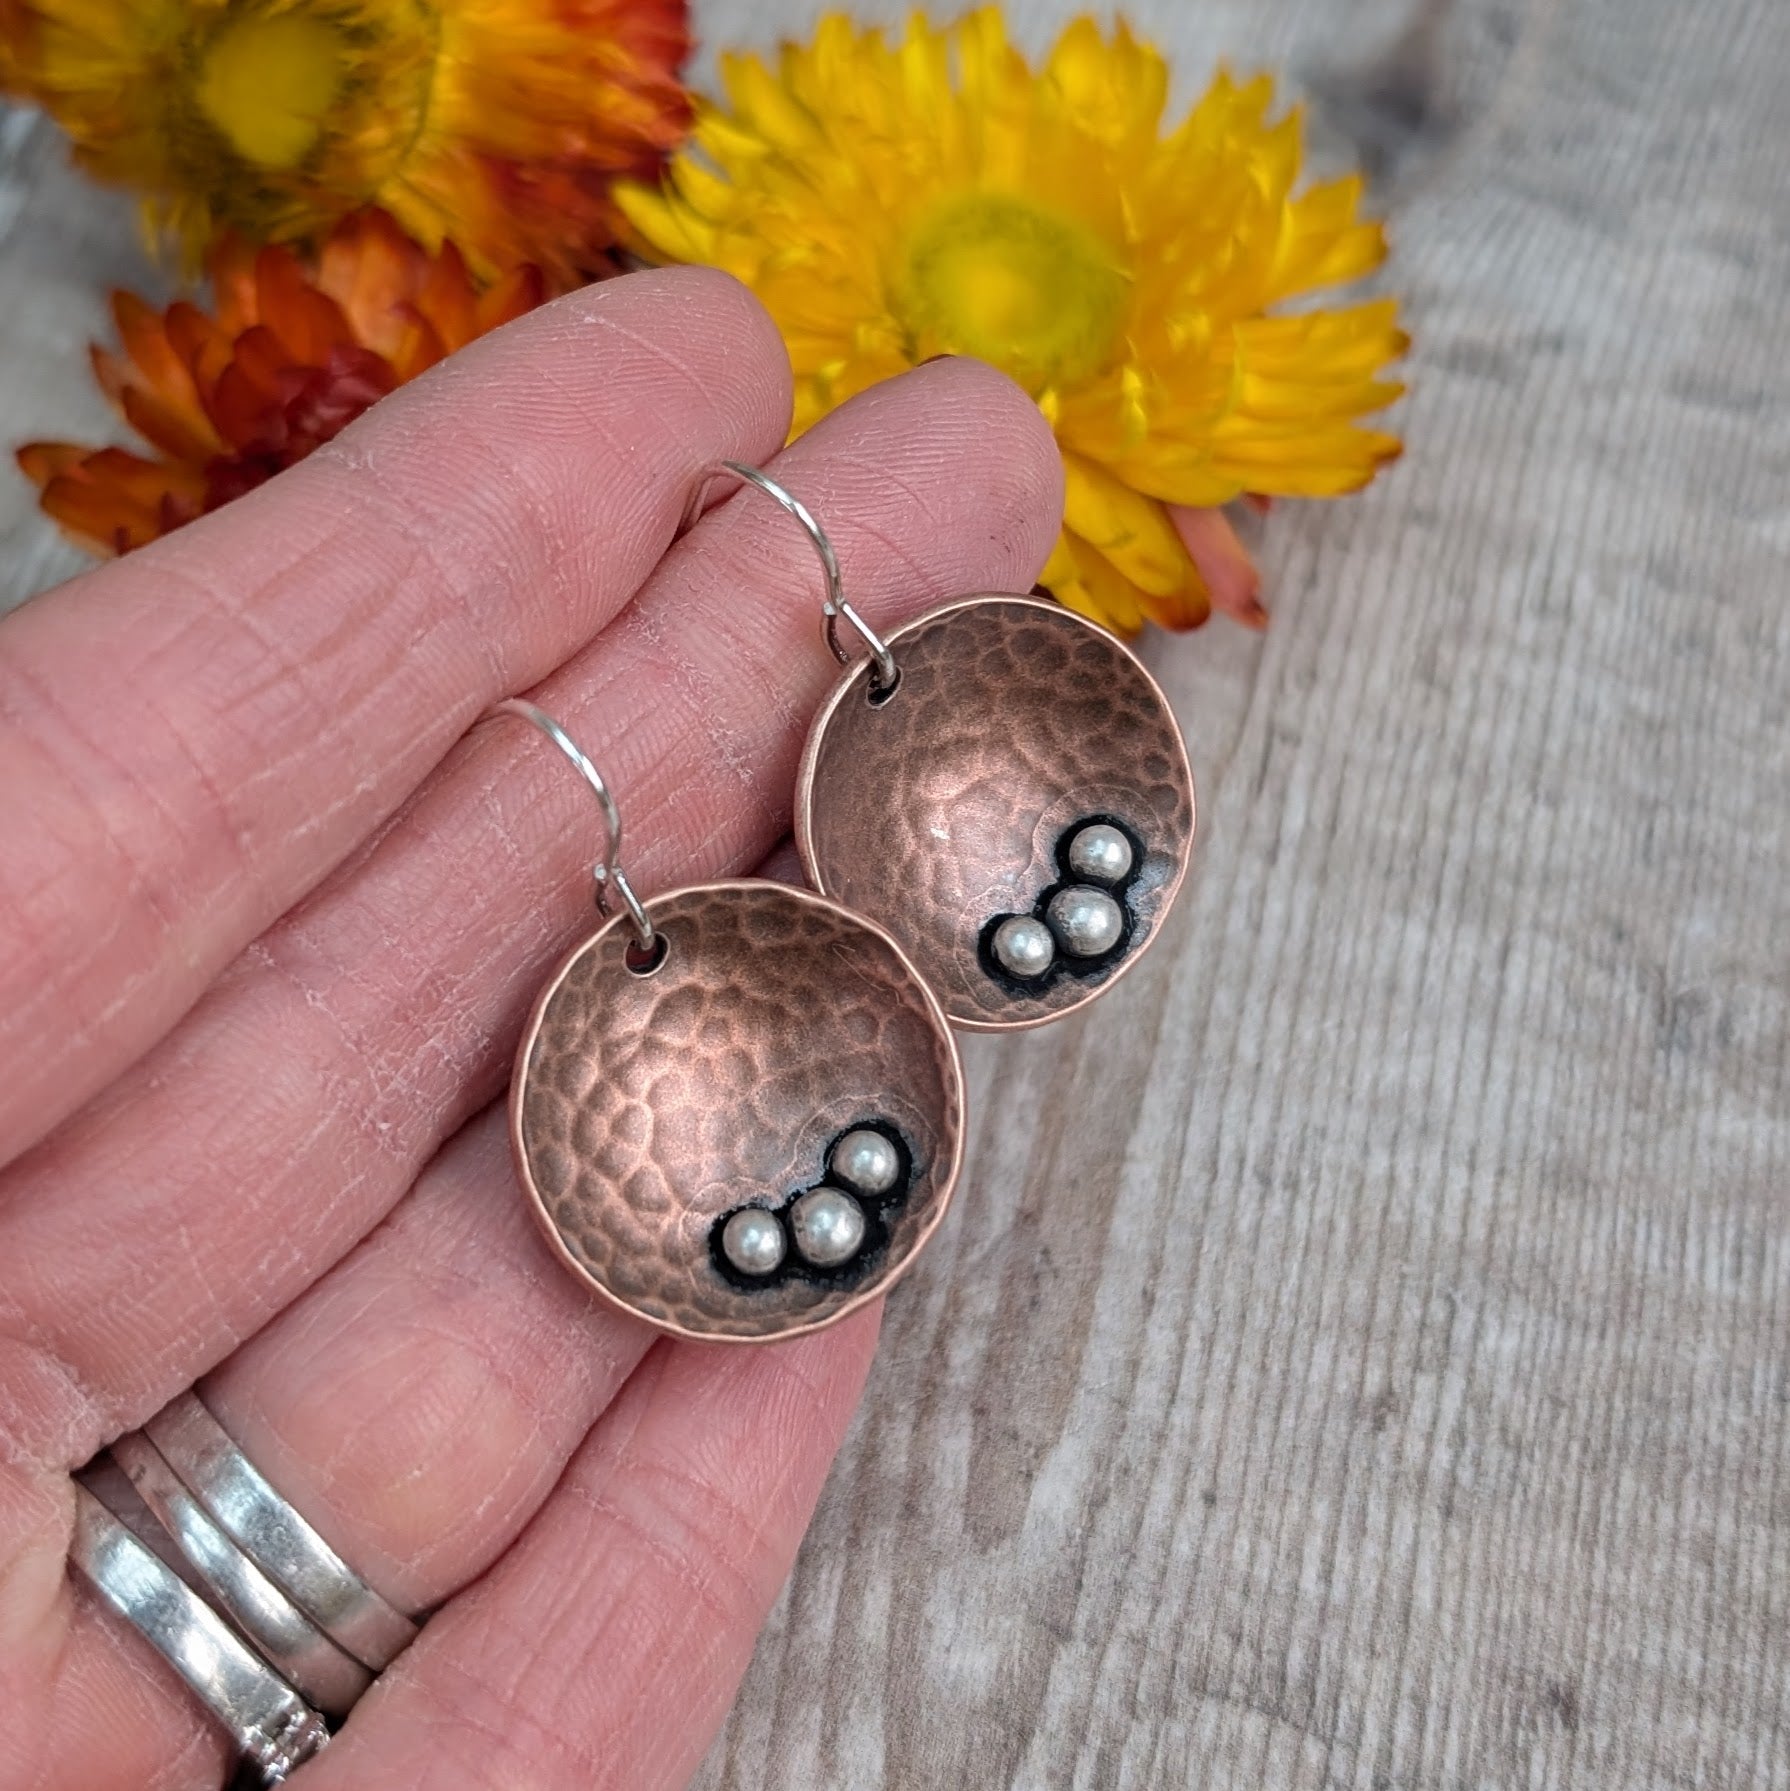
738,1108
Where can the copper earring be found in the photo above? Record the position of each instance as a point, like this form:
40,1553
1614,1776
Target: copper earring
737,1109
1003,786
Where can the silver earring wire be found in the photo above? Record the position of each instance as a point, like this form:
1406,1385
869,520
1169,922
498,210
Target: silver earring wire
835,604
607,870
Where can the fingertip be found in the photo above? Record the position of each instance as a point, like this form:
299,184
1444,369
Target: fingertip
855,1338
832,1362
667,369
816,1377
704,304
810,1387
990,430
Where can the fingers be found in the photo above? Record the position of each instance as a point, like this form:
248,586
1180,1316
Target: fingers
292,1108
604,1649
417,1406
419,1403
104,1712
323,1066
192,737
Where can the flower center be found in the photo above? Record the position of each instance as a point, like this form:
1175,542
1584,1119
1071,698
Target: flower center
1015,283
268,81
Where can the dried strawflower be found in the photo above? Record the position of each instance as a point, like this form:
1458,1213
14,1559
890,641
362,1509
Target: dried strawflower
894,201
290,355
497,124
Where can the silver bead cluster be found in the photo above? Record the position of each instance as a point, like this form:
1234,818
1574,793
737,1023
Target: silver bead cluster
1083,918
824,1226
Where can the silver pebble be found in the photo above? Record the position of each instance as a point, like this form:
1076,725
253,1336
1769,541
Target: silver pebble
865,1160
752,1241
1101,853
1088,922
1024,946
829,1226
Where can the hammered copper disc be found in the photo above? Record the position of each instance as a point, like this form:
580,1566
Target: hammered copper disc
646,1108
944,807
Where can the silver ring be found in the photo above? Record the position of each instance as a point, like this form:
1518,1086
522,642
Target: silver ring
330,1678
835,604
275,1537
608,869
269,1722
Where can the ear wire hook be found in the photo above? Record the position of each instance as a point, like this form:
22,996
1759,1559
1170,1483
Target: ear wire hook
835,604
607,870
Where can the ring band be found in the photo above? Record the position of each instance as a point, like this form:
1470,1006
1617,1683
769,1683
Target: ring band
317,1668
270,1723
274,1537
271,1629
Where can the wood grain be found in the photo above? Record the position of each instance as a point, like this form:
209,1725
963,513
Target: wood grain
1359,1355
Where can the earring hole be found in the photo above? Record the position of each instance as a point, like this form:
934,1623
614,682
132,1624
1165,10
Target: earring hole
881,693
644,960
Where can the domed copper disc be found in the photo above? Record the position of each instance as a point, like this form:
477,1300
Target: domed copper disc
645,1109
947,806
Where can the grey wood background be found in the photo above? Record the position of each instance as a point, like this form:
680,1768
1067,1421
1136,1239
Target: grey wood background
1359,1357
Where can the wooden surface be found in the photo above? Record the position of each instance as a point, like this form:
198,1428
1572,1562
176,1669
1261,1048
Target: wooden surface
1359,1355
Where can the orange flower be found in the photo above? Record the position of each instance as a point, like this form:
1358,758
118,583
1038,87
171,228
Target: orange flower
498,124
291,355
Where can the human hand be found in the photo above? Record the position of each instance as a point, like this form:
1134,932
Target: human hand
270,929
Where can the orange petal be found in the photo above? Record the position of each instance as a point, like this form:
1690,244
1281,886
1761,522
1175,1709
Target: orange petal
111,373
260,357
203,344
112,500
41,462
154,387
446,298
1224,563
143,334
101,522
417,347
171,427
517,292
235,299
306,322
1185,609
370,268
146,480
248,413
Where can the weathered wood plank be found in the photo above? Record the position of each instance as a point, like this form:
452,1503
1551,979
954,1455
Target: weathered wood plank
1359,1357
1360,1354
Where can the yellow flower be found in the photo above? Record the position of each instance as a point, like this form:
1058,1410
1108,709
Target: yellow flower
498,124
892,201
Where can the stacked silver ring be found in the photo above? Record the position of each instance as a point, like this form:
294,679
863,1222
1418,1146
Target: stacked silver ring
273,1631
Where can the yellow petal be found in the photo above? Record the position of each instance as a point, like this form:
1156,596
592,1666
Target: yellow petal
1097,589
1130,529
1113,92
767,106
1196,483
668,226
1060,567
